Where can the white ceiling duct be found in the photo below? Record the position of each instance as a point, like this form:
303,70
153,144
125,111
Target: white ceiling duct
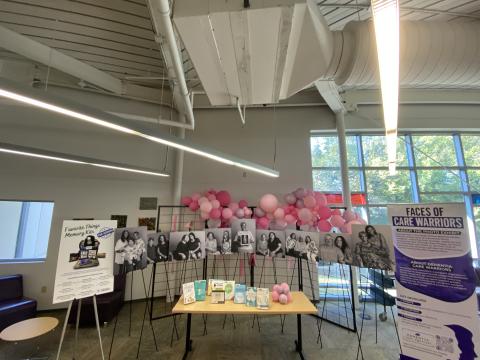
432,55
256,55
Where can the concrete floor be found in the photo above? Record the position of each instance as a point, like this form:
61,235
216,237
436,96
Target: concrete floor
244,342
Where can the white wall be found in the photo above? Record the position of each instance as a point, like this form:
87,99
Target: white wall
78,191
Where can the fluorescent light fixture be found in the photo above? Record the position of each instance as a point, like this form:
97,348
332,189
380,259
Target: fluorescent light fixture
50,155
82,112
387,33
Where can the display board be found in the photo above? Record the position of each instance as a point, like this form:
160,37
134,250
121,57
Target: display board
436,300
85,260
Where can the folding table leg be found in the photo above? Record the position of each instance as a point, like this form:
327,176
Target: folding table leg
298,342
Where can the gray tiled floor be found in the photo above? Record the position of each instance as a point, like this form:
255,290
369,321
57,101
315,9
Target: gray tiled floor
244,342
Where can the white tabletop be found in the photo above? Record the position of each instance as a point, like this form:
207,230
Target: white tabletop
28,329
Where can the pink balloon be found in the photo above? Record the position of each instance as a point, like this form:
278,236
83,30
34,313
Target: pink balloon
248,212
204,215
279,214
321,199
309,201
224,197
337,221
259,212
269,216
215,204
336,212
276,287
196,196
279,225
324,212
211,197
290,199
285,288
214,223
186,200
290,219
243,203
289,297
194,205
305,215
348,215
324,226
233,206
215,213
269,203
227,213
275,296
283,299
300,193
263,223
206,206
299,204
202,200
239,213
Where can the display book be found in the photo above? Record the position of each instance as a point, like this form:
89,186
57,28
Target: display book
221,291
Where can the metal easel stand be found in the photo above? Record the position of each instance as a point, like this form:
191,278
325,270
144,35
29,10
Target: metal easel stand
62,337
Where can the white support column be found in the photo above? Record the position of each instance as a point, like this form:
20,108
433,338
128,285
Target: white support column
347,196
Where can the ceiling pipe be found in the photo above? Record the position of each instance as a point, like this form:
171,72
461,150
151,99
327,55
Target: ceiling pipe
160,14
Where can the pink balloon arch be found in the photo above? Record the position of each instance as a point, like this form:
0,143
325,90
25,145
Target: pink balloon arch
302,207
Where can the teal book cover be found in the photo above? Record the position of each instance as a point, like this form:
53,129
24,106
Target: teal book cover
251,296
200,289
240,293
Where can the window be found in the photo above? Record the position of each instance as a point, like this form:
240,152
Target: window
25,230
431,168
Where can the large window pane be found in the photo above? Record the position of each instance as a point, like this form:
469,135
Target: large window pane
439,180
377,215
325,153
25,230
434,150
331,180
375,151
474,180
441,198
383,188
471,149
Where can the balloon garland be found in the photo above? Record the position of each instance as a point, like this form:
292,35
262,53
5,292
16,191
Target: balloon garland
305,208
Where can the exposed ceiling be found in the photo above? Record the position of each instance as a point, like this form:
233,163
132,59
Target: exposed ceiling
116,36
339,12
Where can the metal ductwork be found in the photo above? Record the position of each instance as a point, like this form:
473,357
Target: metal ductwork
432,55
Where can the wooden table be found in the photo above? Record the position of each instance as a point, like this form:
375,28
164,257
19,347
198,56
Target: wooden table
29,329
299,306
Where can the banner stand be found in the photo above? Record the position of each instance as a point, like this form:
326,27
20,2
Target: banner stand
62,337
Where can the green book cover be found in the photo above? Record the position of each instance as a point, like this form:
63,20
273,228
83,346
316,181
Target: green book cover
200,289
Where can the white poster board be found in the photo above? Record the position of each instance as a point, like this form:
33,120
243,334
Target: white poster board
436,299
85,260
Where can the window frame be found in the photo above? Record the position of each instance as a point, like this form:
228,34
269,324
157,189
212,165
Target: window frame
416,197
22,224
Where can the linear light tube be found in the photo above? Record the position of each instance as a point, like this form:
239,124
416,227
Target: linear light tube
387,33
78,111
48,155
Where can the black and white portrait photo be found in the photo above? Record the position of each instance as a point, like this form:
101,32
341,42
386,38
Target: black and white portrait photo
157,248
331,245
222,237
270,243
373,247
187,245
130,249
243,233
302,244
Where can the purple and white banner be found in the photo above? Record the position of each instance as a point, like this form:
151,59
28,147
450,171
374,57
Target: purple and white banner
436,299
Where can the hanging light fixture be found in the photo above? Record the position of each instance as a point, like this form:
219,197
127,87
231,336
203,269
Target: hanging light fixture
386,20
